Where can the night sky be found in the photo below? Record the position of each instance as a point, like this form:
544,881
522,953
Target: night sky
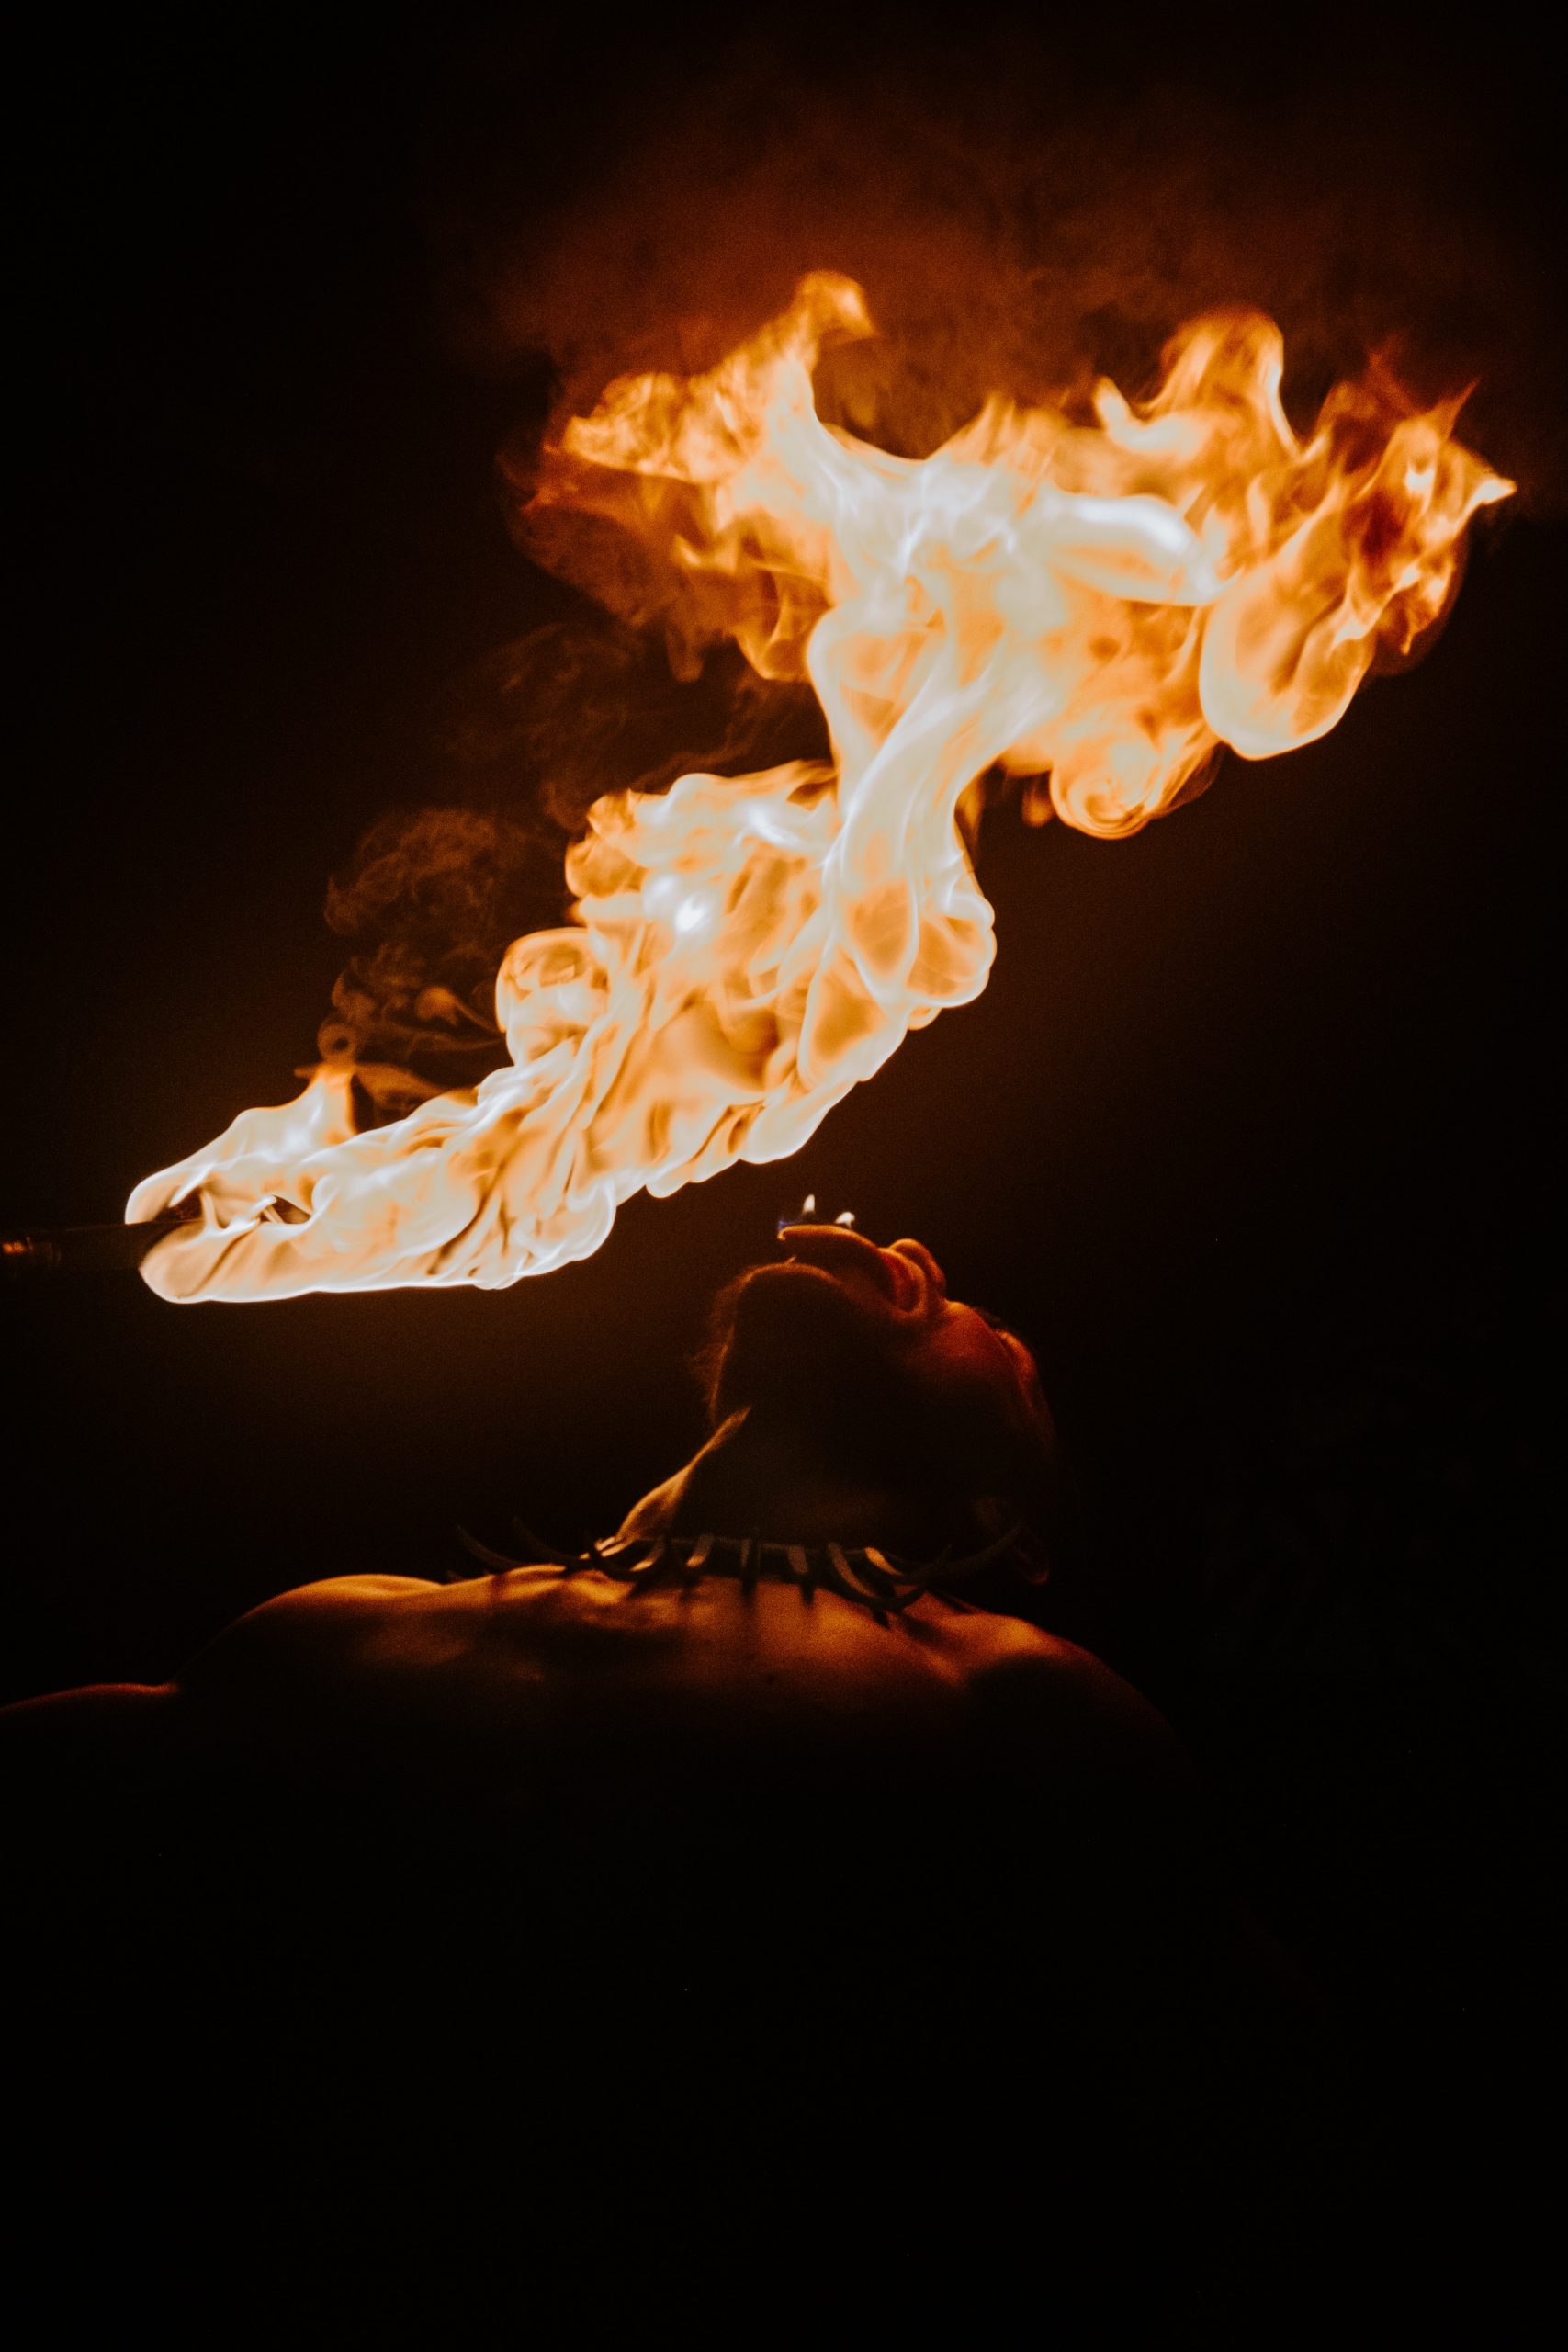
1249,1131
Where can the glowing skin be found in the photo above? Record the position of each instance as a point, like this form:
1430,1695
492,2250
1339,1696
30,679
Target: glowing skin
904,1288
462,1680
950,1784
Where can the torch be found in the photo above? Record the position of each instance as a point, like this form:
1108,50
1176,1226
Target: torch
87,1249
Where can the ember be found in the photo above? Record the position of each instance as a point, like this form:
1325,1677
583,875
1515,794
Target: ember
1096,606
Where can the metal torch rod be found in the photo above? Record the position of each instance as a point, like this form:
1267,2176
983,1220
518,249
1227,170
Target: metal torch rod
85,1248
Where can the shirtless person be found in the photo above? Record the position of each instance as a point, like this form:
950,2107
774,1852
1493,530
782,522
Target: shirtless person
754,1776
763,1610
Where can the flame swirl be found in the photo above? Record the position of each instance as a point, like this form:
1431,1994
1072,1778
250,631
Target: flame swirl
1101,605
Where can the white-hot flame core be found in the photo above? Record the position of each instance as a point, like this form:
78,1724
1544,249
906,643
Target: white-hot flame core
1103,604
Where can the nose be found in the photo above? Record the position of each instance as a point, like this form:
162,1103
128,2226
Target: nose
923,1258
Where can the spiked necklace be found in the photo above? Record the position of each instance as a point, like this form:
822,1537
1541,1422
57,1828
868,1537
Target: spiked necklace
879,1580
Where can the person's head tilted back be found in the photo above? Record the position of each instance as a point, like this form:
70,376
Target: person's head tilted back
861,1357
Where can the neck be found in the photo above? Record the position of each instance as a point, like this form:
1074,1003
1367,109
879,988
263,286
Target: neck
762,1477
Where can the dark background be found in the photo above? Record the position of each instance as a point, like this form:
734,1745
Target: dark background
1249,1131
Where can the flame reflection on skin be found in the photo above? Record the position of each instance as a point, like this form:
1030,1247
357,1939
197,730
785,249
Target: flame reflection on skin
1102,604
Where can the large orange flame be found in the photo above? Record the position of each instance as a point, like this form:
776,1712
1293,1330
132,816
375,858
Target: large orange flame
1103,604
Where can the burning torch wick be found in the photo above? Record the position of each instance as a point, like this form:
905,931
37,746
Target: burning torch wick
87,1248
808,1215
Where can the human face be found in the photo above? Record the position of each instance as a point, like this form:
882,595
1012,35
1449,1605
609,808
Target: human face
952,1352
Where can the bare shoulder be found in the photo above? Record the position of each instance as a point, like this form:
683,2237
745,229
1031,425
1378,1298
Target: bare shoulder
1037,1696
999,1654
296,1628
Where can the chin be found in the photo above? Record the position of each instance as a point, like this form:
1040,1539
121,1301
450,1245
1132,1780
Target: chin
786,1291
791,1332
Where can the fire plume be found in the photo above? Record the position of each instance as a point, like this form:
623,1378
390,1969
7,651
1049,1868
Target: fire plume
1096,605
